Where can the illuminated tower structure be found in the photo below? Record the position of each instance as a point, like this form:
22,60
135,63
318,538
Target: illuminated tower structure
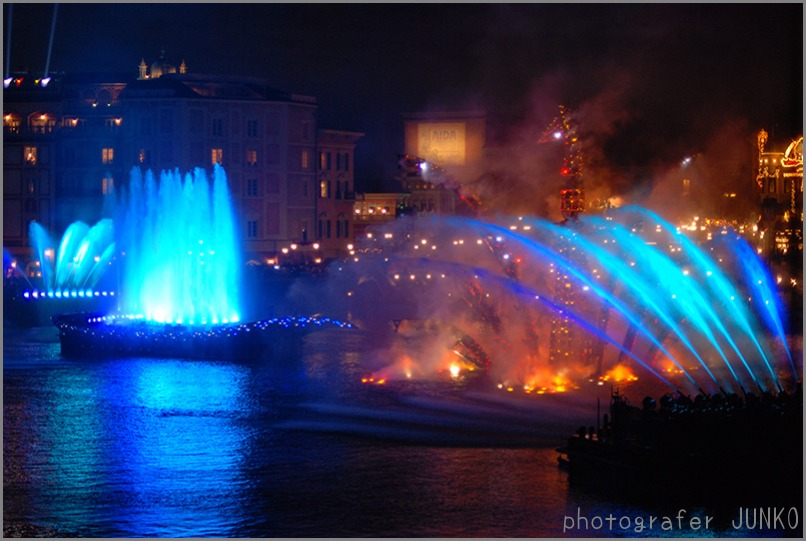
563,128
568,342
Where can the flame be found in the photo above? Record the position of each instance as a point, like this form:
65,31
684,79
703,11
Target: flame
619,373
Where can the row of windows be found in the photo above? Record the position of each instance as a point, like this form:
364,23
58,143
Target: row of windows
326,229
342,161
143,155
218,127
342,189
46,123
31,154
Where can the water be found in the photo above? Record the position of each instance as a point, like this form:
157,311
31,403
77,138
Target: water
180,256
181,448
83,256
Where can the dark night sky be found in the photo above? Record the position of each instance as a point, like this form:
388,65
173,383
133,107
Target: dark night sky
664,77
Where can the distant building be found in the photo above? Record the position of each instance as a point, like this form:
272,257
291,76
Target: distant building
779,181
440,149
335,191
69,143
374,209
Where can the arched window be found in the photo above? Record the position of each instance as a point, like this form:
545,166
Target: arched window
41,122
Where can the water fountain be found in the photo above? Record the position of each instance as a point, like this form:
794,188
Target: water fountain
670,309
79,262
701,324
179,272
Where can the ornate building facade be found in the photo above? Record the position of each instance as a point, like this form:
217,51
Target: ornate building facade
70,143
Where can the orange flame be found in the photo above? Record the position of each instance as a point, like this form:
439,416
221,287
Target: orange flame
619,374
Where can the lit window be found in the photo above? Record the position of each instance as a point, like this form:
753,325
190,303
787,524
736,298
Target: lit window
11,124
217,155
30,155
324,188
251,157
107,156
107,185
305,159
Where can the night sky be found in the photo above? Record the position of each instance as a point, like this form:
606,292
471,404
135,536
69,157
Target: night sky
657,81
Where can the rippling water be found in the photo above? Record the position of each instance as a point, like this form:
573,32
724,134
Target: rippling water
181,448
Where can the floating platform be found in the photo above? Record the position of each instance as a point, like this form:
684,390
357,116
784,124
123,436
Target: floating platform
98,335
726,449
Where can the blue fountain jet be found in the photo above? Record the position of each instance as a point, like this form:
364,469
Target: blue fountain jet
182,255
644,291
717,281
519,289
551,255
689,303
759,281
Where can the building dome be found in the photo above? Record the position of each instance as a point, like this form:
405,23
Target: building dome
160,67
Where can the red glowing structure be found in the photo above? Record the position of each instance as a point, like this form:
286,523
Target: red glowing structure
564,128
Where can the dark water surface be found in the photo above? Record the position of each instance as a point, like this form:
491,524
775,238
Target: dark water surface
183,448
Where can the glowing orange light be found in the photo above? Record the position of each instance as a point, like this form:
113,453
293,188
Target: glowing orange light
619,373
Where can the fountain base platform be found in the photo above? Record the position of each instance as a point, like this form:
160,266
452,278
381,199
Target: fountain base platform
98,335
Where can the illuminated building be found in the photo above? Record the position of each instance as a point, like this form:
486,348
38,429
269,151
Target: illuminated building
30,114
335,191
373,209
75,140
60,146
778,234
441,147
779,180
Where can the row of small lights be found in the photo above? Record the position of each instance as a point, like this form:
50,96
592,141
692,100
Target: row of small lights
301,321
43,82
65,294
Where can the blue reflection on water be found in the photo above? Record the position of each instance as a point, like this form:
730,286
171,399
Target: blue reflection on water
178,428
180,448
142,446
